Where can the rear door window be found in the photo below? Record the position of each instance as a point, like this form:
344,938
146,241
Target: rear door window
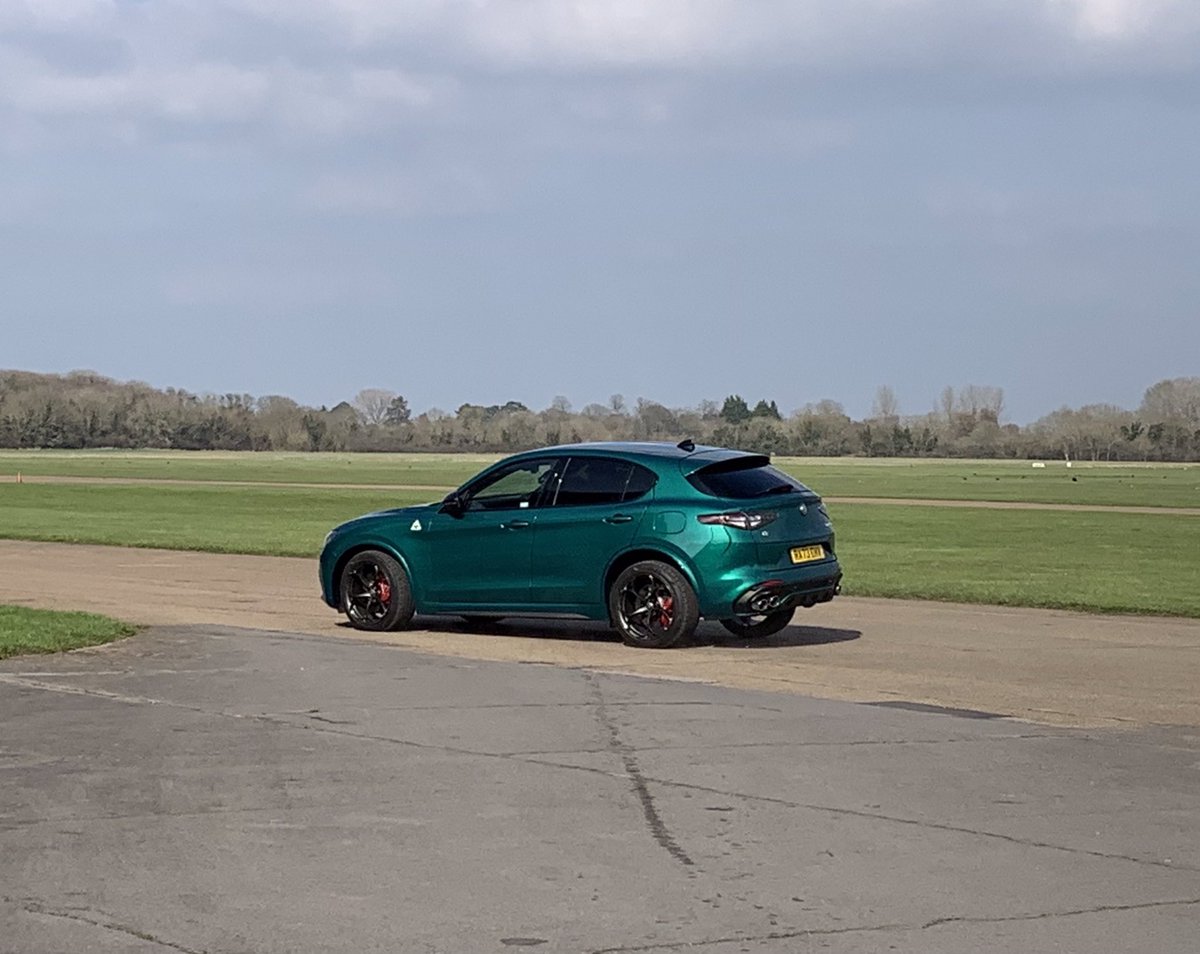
602,480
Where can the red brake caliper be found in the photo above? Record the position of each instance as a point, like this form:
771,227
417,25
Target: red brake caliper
665,604
385,589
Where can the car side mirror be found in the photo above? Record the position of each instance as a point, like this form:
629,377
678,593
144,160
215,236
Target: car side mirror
454,504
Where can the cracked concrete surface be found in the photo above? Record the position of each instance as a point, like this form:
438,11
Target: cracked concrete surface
209,789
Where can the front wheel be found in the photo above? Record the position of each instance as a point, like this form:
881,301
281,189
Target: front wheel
375,592
653,605
756,627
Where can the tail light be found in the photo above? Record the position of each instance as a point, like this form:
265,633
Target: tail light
741,519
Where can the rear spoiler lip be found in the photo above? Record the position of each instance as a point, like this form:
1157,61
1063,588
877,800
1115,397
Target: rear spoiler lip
702,460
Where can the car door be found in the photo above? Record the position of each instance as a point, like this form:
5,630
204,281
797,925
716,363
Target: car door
590,514
480,555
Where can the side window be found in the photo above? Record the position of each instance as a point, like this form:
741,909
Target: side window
514,487
641,482
601,480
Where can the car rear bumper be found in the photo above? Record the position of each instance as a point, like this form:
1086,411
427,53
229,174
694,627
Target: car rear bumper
771,595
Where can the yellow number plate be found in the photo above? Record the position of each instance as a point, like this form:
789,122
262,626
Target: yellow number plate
807,554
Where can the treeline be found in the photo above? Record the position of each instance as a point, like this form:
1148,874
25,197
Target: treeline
83,409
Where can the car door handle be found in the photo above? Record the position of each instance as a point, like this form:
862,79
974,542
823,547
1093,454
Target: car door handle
619,518
514,525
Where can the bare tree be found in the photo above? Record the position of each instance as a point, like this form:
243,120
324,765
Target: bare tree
946,404
981,402
885,408
372,404
1175,401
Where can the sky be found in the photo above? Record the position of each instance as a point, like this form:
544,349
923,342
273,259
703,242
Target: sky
472,201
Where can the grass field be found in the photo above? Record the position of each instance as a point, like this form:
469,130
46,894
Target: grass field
284,521
441,470
43,631
1107,562
1148,485
1110,562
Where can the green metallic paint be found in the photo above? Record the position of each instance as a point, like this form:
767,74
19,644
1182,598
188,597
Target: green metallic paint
556,560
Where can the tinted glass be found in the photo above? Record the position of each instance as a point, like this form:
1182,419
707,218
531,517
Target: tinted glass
743,478
515,487
602,480
641,481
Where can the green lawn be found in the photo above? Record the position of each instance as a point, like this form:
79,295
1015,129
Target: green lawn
269,520
43,631
1107,562
441,470
1150,485
1111,562
1141,485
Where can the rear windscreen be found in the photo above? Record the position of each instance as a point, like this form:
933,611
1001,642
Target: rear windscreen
743,478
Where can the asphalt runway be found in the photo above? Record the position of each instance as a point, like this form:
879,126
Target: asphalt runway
1043,666
212,789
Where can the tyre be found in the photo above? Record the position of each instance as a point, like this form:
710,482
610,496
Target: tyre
653,605
375,592
756,627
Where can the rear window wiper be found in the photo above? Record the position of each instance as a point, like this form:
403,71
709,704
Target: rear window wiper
777,489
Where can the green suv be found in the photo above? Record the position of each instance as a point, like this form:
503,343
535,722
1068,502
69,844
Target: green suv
650,537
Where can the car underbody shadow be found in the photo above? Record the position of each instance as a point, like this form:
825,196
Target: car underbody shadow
793,635
707,634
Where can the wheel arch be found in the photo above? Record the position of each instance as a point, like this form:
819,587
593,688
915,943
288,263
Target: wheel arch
637,555
363,547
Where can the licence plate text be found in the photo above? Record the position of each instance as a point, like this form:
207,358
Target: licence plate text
808,554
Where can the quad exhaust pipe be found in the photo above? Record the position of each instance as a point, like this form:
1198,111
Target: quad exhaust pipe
766,602
772,598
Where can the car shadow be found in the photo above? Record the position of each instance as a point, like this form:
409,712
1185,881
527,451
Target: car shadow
790,636
588,631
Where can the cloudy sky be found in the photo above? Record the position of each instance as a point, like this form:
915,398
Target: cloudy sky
463,200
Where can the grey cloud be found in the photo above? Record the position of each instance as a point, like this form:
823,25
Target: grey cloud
988,189
321,65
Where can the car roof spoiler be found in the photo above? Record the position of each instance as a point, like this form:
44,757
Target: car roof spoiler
718,459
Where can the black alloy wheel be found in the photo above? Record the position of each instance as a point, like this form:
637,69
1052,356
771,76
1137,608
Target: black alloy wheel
375,592
653,605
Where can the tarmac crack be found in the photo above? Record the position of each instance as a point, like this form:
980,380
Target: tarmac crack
16,679
648,704
880,816
654,820
633,771
82,916
869,928
1045,915
752,938
799,744
940,826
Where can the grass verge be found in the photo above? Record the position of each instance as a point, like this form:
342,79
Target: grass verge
1099,562
25,630
275,521
1104,562
1103,484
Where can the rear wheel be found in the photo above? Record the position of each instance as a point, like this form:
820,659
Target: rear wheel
765,624
653,605
375,592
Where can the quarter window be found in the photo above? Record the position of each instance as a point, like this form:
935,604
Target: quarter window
602,480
